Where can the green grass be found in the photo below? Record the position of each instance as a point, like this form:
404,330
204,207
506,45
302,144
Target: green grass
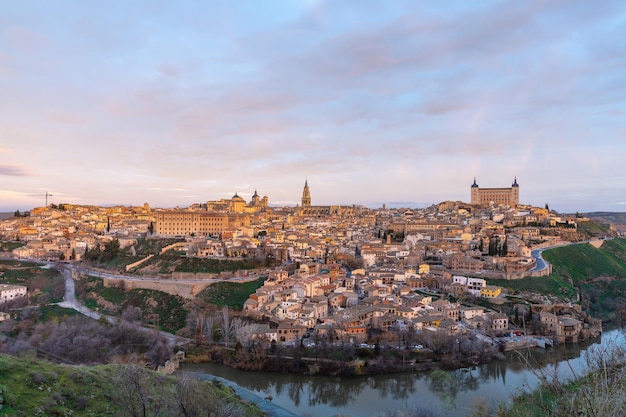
592,229
9,246
584,262
550,285
54,312
582,265
170,308
113,295
120,262
147,246
215,265
33,387
43,285
230,294
174,261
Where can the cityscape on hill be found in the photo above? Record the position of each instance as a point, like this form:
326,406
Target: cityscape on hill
456,283
312,208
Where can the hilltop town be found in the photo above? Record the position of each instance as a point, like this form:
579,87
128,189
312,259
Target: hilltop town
348,274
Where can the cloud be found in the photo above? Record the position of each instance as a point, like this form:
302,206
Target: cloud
14,171
24,38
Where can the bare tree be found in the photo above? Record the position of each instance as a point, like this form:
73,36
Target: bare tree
138,392
159,350
243,331
228,333
194,399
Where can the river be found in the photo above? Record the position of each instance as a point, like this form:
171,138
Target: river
453,394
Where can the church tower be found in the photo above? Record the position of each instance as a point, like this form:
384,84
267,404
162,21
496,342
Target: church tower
475,195
306,195
514,193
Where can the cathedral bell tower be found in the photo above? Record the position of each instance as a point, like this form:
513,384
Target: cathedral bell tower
306,195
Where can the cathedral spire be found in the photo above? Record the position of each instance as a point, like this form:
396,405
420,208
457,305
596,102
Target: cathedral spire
306,195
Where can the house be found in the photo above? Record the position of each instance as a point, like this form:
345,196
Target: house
490,291
498,321
289,332
565,329
9,292
264,332
469,312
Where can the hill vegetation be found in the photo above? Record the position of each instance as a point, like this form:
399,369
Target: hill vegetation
230,294
167,311
175,262
31,387
598,274
598,393
43,285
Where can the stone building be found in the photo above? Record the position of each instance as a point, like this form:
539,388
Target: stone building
498,196
308,210
198,223
10,292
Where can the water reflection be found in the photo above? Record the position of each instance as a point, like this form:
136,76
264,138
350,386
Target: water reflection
454,391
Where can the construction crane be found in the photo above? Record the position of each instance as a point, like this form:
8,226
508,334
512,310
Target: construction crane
42,195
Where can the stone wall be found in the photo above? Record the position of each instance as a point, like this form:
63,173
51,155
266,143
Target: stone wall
184,290
139,262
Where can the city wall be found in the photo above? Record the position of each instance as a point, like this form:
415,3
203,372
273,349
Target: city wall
185,290
506,275
139,262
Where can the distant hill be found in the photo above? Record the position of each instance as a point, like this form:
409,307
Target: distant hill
6,215
618,219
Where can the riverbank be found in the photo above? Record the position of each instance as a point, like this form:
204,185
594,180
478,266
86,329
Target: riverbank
337,361
453,393
263,403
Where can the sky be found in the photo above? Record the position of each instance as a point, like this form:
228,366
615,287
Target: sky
397,102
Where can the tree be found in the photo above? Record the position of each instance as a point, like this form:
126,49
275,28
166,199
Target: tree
159,351
17,214
111,250
138,392
151,228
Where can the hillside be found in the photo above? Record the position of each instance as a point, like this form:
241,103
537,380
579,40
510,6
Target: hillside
599,274
31,387
618,219
599,392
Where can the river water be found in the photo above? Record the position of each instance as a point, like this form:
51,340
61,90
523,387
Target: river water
454,394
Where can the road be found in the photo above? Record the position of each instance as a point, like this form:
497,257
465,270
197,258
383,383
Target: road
70,301
92,272
541,264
